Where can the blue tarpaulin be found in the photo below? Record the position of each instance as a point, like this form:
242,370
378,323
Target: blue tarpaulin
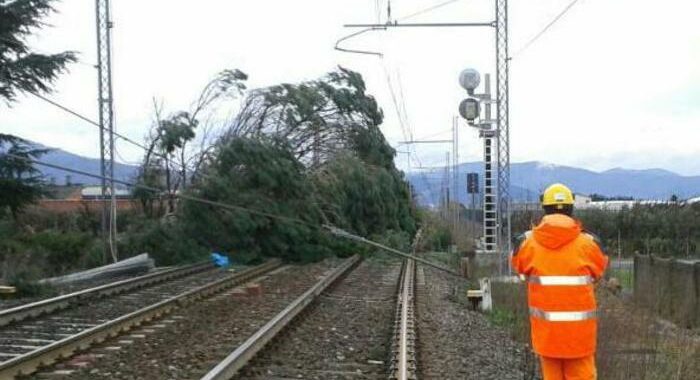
219,260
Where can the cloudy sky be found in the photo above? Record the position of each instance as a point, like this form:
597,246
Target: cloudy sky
615,83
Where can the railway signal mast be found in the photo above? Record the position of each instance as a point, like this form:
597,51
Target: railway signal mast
106,120
497,205
470,109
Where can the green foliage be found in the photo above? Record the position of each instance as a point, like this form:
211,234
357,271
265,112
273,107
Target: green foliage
502,318
176,131
665,229
61,251
21,69
20,182
670,229
400,240
166,243
317,119
364,198
311,151
26,283
436,233
262,175
171,163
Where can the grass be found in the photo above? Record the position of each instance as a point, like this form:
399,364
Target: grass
633,343
503,318
625,276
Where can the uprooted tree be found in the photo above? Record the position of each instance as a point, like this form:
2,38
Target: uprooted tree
172,157
312,152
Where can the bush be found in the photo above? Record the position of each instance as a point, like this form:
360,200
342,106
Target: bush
60,251
25,281
166,243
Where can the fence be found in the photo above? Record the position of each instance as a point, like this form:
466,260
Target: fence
669,287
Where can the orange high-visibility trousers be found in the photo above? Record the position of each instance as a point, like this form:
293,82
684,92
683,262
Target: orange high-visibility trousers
568,369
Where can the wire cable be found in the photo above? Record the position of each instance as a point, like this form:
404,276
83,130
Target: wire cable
96,124
403,105
427,10
544,30
156,190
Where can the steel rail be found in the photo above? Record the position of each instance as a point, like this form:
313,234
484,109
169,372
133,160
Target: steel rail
403,365
35,309
28,363
235,361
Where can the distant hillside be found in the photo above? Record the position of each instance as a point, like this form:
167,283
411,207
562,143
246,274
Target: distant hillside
74,161
528,179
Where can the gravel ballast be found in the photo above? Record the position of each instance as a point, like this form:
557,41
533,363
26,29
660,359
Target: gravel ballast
345,334
189,343
457,343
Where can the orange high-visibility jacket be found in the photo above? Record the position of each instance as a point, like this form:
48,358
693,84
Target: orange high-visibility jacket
560,262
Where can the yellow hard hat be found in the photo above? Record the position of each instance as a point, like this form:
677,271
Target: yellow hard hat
557,195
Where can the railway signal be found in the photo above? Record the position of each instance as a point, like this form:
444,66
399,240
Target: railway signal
470,109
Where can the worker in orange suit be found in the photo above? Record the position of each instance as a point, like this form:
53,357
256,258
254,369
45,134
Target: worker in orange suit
561,264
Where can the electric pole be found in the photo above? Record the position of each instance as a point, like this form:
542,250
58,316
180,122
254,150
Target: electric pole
503,126
106,119
499,142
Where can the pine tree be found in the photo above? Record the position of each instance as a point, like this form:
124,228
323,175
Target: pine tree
20,182
21,69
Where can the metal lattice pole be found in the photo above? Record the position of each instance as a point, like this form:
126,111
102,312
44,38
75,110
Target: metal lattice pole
106,119
502,71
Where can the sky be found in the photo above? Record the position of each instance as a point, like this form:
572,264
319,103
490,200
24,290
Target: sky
614,83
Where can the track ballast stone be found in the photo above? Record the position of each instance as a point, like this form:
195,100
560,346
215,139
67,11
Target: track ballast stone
455,343
200,335
345,334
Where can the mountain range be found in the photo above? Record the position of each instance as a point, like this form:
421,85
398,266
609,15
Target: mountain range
528,179
89,165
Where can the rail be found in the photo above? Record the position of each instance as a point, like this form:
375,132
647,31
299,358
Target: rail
403,364
47,355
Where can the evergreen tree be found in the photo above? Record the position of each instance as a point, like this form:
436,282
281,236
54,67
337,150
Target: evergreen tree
21,69
20,182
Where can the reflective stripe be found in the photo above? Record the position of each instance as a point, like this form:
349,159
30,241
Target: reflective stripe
562,316
560,280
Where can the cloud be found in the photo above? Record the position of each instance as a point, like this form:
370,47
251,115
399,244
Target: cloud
601,89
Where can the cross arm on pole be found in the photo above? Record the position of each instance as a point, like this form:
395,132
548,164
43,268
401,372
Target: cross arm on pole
425,142
491,24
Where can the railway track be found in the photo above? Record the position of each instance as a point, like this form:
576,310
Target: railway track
35,309
40,334
193,339
345,333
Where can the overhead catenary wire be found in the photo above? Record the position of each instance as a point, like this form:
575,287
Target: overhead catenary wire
325,227
427,10
403,105
403,18
402,119
544,30
96,124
